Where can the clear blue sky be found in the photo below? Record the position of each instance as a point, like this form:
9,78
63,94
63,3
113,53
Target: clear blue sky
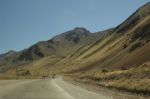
25,22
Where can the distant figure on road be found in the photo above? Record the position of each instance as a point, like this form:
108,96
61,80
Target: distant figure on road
53,76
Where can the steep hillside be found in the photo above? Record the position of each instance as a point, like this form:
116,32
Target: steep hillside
135,18
118,49
119,60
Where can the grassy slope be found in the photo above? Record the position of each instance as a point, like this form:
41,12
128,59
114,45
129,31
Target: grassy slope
135,79
110,52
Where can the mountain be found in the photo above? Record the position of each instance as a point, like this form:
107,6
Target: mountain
121,47
73,36
103,49
120,59
7,54
111,58
135,18
96,50
59,47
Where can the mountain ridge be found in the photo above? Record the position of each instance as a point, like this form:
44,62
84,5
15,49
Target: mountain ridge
79,50
3,55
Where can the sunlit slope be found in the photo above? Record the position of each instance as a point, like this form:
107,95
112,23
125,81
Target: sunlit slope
126,46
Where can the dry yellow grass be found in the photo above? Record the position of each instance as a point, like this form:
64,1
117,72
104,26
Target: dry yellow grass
135,80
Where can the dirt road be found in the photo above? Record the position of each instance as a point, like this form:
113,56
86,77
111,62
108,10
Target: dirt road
44,89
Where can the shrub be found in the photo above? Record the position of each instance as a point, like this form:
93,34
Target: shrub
27,72
135,46
125,46
123,68
104,70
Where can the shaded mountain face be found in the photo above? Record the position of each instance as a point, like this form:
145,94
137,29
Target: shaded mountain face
136,17
7,54
60,45
39,50
137,25
71,36
143,31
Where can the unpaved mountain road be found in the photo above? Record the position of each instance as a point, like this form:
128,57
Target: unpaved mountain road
44,89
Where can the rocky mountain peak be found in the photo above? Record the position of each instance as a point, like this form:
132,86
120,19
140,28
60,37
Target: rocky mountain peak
72,35
81,30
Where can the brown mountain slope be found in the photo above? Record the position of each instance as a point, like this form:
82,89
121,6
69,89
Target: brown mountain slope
60,45
119,60
124,47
